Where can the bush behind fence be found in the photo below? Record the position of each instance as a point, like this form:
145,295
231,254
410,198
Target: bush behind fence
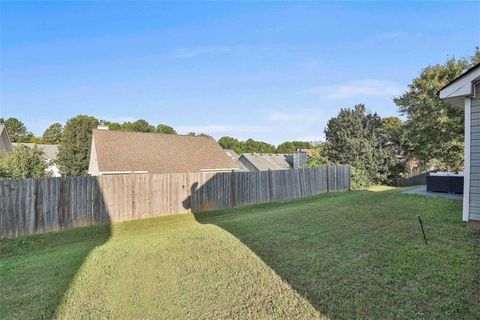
42,205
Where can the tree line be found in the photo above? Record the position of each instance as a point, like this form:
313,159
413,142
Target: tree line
74,140
53,134
252,146
377,148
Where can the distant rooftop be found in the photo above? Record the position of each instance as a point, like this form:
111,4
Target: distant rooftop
158,153
267,161
5,144
49,150
232,154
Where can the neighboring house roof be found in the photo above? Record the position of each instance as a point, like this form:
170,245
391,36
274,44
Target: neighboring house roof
235,157
267,161
5,143
119,151
50,151
232,154
461,87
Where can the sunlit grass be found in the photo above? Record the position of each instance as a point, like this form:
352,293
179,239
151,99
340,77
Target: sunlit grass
380,188
342,256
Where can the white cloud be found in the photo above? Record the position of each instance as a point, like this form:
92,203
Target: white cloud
365,87
200,50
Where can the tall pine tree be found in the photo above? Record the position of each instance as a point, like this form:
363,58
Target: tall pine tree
74,149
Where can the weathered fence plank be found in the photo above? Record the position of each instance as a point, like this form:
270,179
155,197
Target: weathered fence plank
42,205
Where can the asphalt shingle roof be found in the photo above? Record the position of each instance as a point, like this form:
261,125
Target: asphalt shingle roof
158,153
269,161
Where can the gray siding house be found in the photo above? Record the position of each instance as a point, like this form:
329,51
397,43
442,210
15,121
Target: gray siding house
464,92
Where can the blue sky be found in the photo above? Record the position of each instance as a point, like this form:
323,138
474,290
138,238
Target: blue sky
273,71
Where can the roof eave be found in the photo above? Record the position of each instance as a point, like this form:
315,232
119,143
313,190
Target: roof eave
462,86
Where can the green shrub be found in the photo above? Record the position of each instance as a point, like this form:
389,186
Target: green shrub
360,179
22,163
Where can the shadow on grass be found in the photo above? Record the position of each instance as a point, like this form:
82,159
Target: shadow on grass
360,254
37,270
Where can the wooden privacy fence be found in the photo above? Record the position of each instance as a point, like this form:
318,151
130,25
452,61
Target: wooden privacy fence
41,205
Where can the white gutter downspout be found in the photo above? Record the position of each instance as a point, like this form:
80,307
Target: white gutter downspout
466,178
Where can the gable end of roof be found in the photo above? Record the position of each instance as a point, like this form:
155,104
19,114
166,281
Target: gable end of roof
462,86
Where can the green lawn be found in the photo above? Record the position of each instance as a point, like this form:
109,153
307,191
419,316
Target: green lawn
340,256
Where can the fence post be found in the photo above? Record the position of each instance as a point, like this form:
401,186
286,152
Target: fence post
328,178
300,180
349,170
270,190
134,202
233,189
61,205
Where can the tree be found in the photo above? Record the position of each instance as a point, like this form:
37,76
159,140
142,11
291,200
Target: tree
357,138
204,135
286,147
138,126
231,144
36,140
319,158
434,128
393,135
293,146
53,134
393,127
74,149
194,134
23,162
115,126
246,146
303,144
259,146
163,128
17,131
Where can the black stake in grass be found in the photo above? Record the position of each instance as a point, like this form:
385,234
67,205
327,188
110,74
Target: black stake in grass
423,231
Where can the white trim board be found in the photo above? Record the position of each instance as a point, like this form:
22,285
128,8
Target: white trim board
122,172
467,151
